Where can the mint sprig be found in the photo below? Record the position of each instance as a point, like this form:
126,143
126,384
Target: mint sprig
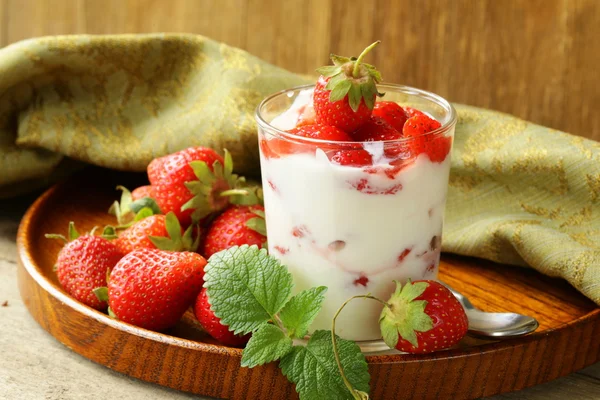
250,291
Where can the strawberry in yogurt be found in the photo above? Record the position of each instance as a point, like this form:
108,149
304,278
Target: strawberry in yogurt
355,187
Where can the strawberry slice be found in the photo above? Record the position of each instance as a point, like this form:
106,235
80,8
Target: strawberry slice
356,158
391,113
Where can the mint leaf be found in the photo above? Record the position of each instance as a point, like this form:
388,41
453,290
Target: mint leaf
267,344
314,371
246,286
301,310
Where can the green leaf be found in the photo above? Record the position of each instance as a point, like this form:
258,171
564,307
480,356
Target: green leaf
257,225
143,213
339,60
148,202
101,293
368,92
314,371
329,70
172,226
268,343
389,332
73,234
301,310
260,213
109,232
202,172
247,287
340,91
354,97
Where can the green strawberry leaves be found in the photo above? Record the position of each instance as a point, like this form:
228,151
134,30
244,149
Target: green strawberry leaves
176,241
353,78
404,315
314,371
72,234
213,187
120,209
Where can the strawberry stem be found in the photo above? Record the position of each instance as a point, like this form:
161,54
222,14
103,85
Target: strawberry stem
361,56
355,393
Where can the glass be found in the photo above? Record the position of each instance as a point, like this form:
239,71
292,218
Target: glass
354,228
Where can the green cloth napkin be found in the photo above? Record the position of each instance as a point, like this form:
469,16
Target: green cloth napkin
519,193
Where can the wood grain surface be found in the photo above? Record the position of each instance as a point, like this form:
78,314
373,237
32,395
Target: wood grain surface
536,59
565,342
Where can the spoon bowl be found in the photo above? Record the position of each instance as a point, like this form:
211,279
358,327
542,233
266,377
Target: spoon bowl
494,325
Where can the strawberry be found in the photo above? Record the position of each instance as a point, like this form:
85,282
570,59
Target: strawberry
344,94
157,231
82,265
391,113
412,112
419,125
322,132
152,288
436,147
192,183
212,324
422,317
351,157
141,192
376,129
236,226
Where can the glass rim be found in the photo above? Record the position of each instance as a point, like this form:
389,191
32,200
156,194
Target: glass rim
446,126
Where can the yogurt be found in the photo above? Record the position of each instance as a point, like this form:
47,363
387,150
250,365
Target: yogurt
352,229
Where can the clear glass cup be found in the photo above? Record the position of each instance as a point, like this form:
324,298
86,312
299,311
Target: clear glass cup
354,228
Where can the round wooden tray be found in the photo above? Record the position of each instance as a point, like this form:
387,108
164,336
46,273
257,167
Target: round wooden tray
186,359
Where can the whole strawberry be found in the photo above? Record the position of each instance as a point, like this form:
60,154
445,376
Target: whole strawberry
236,226
157,232
422,317
212,324
192,183
345,92
141,192
153,288
82,265
418,128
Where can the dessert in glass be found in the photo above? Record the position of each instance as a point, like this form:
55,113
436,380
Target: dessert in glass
357,210
354,229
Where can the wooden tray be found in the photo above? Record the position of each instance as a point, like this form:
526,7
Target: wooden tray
186,359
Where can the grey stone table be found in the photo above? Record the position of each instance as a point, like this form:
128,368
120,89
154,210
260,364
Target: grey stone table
33,365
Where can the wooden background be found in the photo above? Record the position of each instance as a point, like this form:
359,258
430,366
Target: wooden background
537,59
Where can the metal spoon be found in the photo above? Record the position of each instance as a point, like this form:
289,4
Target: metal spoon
494,325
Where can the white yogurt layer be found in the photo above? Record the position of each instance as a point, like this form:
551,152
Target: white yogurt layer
353,230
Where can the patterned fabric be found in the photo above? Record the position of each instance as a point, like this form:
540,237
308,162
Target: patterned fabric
519,193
